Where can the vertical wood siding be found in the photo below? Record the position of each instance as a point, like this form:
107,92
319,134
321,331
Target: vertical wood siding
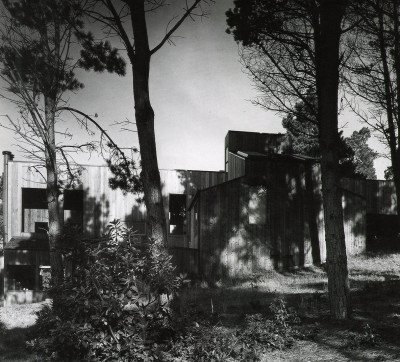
237,166
101,204
380,195
231,246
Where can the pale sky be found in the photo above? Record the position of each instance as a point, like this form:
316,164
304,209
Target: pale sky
198,92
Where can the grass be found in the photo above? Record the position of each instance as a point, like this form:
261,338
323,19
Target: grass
15,322
373,334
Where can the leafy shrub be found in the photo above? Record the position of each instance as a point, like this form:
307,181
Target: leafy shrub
368,338
111,304
204,342
279,332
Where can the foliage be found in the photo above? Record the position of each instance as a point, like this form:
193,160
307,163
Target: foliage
204,342
363,156
125,176
368,338
302,130
356,157
388,174
111,305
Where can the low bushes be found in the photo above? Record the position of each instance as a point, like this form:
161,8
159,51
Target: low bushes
260,333
112,305
115,306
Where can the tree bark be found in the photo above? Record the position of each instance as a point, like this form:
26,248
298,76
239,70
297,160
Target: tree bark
312,216
144,114
327,82
56,219
394,145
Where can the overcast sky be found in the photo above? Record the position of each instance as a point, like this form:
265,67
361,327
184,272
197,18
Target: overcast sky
198,92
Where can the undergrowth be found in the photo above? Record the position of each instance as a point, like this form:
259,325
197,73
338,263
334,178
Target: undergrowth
204,341
113,306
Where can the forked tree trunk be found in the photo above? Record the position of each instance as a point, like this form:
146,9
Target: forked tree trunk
327,62
56,221
144,115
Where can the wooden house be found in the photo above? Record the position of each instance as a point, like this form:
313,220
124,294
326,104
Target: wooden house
91,206
263,211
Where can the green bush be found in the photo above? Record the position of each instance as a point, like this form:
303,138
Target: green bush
112,305
205,342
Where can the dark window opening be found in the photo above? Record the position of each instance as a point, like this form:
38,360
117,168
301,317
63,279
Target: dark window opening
34,198
21,277
35,215
41,227
177,214
382,233
34,209
73,208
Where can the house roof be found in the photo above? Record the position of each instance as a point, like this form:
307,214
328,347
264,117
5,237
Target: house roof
27,243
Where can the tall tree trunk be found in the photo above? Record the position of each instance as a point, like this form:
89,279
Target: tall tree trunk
327,72
56,220
144,114
394,145
396,179
312,215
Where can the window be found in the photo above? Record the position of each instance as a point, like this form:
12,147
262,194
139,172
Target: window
177,214
34,209
35,215
41,227
73,208
21,277
257,208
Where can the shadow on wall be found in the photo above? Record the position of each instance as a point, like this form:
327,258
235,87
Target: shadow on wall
249,225
383,229
378,220
354,217
99,210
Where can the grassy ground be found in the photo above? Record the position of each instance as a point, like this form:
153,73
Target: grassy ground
373,334
15,322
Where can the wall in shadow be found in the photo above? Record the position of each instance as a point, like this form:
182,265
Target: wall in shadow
233,246
378,221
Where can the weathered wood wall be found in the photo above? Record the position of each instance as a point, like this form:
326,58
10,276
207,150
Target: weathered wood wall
231,245
380,195
355,222
101,204
186,260
354,217
237,166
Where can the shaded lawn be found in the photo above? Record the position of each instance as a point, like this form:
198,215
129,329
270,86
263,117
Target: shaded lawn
15,323
375,283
